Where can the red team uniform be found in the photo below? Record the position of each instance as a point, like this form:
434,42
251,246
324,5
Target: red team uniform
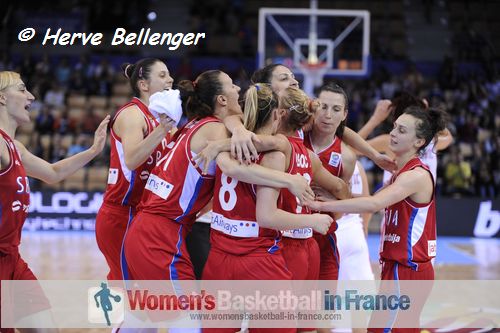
300,250
331,158
409,242
123,194
14,204
240,249
155,247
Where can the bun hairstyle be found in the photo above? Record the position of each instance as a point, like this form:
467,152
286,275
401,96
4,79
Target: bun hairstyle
430,123
198,97
337,89
141,70
299,107
264,74
401,101
260,101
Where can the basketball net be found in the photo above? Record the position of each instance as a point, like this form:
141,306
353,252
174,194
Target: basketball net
313,75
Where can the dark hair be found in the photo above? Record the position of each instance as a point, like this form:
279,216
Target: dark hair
260,101
199,96
430,122
335,88
141,70
401,101
264,74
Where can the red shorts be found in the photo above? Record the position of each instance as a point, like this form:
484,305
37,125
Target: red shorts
329,256
302,257
13,267
223,266
392,270
155,249
262,266
111,226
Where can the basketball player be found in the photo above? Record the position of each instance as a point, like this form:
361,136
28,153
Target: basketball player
325,140
16,163
396,107
245,236
281,77
138,140
409,240
351,239
176,189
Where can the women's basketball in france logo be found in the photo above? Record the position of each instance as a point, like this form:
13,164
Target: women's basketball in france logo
105,305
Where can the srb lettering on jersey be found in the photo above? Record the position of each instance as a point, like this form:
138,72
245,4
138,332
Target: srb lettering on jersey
391,217
24,185
431,248
335,159
112,176
302,161
154,157
158,186
234,227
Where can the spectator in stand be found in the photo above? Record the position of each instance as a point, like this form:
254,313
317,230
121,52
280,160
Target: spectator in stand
63,72
468,131
27,67
78,84
57,151
78,145
458,175
64,124
103,75
89,121
484,182
44,122
55,96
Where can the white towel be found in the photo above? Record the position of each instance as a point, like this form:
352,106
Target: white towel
166,102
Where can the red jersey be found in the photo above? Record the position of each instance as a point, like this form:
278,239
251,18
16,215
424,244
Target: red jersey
176,189
331,159
300,163
234,225
331,156
125,186
410,227
14,198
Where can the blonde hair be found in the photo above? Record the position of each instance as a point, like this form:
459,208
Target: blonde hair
260,101
299,107
8,78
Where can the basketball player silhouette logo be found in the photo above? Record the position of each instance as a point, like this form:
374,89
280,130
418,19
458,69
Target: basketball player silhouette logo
103,300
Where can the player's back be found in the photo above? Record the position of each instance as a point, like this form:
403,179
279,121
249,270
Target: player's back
300,163
176,188
235,229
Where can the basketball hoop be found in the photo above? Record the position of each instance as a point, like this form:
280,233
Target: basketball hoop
313,75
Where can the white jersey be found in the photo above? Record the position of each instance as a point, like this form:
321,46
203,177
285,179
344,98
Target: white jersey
428,157
356,188
351,241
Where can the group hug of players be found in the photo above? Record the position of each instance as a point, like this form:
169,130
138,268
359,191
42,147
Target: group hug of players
275,170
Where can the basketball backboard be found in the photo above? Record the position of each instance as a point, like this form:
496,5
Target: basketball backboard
315,42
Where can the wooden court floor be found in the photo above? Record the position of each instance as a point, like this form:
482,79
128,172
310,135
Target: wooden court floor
74,256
